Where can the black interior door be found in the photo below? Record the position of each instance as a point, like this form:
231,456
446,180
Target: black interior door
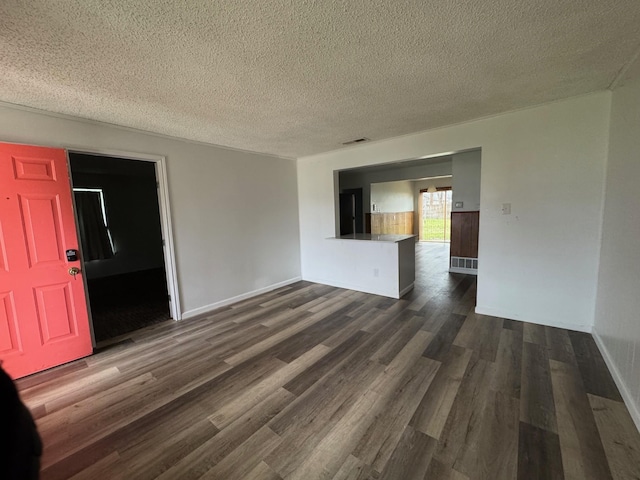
347,214
351,211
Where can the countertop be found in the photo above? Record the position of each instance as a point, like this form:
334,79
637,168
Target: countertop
374,238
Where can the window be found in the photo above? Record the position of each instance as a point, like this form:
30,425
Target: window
93,226
435,215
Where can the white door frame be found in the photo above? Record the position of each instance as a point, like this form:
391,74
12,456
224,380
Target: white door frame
165,215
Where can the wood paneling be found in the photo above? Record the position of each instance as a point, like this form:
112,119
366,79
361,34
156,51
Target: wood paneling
399,223
311,382
464,234
367,223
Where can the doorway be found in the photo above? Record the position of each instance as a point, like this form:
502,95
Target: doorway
120,229
435,215
351,211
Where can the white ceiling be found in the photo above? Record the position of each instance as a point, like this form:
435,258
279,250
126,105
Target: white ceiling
298,77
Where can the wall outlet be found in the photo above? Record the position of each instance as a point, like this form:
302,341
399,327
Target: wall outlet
459,204
376,272
506,209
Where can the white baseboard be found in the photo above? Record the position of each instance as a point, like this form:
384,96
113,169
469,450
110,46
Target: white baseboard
634,409
348,286
494,312
406,290
223,303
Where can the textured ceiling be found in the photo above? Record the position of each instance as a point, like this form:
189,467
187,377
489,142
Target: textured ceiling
297,77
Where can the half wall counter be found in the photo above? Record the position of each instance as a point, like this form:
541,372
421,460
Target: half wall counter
378,264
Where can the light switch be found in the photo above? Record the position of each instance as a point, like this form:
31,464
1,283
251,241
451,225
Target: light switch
506,209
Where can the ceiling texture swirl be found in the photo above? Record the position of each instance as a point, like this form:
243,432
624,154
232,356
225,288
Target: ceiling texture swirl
300,77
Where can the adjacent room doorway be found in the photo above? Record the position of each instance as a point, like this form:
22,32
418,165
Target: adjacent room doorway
120,228
44,319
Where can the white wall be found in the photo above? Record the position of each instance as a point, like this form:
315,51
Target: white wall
538,264
466,181
617,319
436,182
234,213
391,197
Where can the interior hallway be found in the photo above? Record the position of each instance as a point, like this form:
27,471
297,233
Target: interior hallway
311,381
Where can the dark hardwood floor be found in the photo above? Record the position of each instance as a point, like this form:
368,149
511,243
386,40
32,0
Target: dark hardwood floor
314,382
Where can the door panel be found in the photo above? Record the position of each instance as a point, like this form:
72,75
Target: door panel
56,316
34,169
43,312
8,326
4,264
40,216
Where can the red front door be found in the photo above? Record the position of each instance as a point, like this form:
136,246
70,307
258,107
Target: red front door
43,310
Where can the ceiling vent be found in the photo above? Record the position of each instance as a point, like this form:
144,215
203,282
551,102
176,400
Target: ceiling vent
357,140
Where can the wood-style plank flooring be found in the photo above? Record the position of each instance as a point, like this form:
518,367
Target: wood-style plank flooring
315,382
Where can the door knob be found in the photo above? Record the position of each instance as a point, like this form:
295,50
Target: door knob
74,271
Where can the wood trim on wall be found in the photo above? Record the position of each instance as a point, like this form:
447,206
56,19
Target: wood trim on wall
464,234
399,223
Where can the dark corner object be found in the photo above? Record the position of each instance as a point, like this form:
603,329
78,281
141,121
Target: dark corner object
20,444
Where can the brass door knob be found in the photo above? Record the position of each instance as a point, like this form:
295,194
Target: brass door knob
74,271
